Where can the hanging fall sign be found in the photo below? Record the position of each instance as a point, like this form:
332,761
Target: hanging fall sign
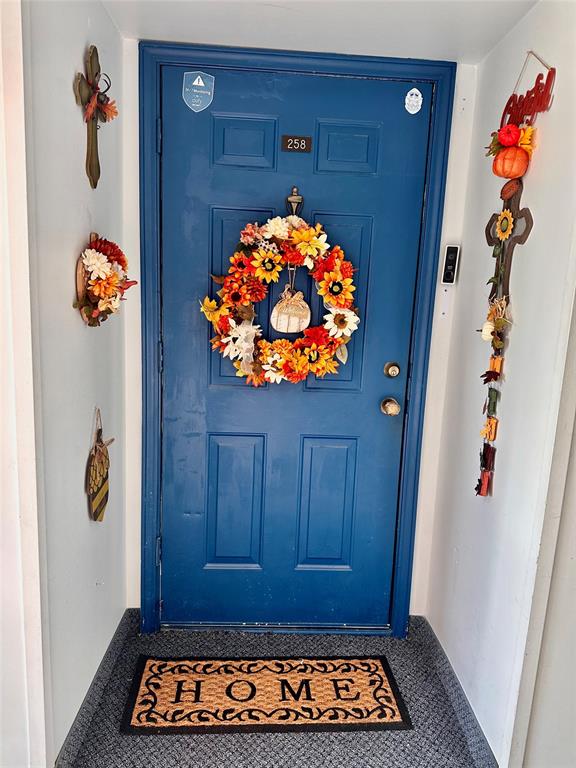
263,252
511,147
97,481
91,91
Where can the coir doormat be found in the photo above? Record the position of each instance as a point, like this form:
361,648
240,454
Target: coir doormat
223,695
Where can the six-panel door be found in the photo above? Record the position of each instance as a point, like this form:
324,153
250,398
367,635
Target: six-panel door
279,504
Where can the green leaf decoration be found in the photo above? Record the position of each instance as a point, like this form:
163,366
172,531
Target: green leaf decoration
497,342
500,323
494,146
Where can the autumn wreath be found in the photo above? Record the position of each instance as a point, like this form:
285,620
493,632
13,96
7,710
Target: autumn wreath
260,256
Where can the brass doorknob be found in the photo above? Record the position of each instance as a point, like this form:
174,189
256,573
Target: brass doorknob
390,407
392,370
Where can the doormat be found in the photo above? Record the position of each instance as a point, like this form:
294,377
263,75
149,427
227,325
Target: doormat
282,694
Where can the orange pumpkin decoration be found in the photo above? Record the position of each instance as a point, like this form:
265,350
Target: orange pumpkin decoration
511,163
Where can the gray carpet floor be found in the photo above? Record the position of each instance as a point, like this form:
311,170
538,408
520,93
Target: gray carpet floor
445,733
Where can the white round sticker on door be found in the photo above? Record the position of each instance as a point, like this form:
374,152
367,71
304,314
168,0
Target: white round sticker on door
413,101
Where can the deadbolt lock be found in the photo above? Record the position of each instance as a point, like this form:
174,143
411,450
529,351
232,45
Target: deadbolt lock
392,370
390,406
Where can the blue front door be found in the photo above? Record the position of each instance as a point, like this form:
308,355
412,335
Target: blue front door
279,504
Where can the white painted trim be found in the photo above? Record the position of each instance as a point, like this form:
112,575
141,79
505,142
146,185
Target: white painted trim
132,329
22,620
457,181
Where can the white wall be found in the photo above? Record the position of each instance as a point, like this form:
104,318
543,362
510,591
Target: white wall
551,736
22,736
452,228
484,553
76,367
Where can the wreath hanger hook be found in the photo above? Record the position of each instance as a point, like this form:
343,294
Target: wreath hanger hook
294,202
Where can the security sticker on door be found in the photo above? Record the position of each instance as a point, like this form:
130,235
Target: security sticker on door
413,101
198,90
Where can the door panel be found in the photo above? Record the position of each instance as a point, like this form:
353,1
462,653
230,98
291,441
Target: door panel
235,500
327,477
279,504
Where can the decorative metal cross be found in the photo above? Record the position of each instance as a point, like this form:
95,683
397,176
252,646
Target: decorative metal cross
504,231
504,250
97,106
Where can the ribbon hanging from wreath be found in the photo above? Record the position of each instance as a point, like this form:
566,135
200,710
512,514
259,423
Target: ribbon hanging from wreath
262,253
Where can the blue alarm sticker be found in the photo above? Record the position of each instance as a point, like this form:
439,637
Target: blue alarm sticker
198,90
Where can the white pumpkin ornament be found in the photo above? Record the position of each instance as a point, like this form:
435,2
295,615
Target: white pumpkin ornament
291,314
487,330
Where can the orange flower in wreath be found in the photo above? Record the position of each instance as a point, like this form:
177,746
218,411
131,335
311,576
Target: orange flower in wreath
223,325
337,289
319,348
321,361
267,264
217,344
316,335
310,241
293,256
234,292
296,368
256,290
329,263
283,347
240,266
346,269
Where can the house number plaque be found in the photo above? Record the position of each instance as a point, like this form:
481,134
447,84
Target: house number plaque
296,143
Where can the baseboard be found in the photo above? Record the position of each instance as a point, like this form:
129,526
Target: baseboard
475,738
129,625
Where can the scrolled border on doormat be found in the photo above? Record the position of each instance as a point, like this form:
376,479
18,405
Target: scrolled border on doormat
280,694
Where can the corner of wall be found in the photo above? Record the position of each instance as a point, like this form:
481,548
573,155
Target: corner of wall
485,552
457,183
75,367
564,453
132,330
